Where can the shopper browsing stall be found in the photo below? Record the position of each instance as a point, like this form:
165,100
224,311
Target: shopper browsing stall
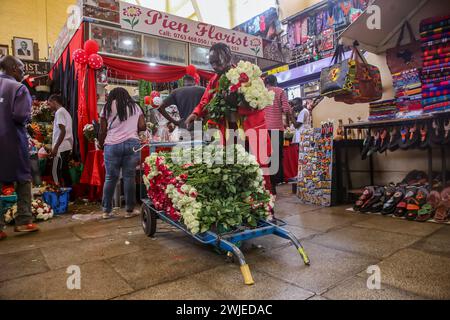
185,98
120,123
62,141
15,112
303,119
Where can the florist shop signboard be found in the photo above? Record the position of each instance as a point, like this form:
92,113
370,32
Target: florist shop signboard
161,24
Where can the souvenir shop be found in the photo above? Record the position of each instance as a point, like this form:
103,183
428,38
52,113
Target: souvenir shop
408,124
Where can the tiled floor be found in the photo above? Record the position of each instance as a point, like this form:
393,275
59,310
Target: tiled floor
117,261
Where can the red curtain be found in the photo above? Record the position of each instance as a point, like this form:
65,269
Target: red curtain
143,71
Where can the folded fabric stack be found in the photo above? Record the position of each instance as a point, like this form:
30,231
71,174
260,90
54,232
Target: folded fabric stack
408,88
435,38
382,110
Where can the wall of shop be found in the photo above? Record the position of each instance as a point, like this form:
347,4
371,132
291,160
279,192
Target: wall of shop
389,167
40,20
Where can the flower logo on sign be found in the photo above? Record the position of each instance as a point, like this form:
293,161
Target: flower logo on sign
133,13
255,43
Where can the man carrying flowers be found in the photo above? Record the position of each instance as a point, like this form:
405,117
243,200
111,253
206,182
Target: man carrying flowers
235,99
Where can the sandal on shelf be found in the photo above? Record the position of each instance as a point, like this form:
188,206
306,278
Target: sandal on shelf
437,132
367,145
401,209
390,206
424,137
394,140
443,209
446,139
425,213
367,194
385,138
416,203
377,196
376,144
413,137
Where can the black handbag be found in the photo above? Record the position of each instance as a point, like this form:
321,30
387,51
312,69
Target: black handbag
333,79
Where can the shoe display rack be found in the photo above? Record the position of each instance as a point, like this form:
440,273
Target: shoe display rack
434,127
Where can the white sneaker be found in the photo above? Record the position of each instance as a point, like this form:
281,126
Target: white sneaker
108,216
132,214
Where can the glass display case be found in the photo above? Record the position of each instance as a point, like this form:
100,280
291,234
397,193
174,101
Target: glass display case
200,57
117,42
165,51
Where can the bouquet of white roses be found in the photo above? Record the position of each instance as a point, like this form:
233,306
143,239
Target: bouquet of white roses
244,82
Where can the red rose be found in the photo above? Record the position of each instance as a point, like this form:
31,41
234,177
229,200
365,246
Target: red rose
244,78
235,88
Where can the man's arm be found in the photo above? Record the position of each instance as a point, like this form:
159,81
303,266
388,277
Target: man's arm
199,110
60,140
287,110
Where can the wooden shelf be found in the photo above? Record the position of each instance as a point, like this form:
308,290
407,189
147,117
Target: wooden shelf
396,122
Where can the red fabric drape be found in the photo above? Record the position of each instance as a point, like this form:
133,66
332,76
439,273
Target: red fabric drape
143,71
75,43
290,162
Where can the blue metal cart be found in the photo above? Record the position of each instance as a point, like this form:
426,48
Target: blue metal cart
226,242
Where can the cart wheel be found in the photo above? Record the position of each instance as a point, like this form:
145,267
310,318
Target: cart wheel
148,220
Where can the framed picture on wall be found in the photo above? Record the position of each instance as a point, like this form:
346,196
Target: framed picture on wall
23,48
4,50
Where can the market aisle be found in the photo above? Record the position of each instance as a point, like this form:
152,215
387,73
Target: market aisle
118,261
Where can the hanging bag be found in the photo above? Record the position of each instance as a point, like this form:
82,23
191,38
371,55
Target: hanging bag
406,57
334,78
363,81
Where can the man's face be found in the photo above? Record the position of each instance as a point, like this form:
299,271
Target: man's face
24,45
17,71
53,105
218,63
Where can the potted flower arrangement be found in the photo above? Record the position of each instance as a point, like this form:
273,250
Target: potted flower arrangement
208,194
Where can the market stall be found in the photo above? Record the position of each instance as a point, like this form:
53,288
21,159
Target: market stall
413,41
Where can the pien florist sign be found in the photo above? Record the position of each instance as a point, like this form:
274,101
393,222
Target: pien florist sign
161,24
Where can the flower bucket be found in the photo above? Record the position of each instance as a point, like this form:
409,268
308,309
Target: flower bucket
7,202
59,201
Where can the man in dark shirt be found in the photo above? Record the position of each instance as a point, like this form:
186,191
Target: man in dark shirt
185,98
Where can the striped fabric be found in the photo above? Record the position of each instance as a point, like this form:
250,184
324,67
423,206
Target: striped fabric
274,113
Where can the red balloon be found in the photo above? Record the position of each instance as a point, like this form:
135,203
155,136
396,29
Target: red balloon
80,56
95,61
191,70
91,47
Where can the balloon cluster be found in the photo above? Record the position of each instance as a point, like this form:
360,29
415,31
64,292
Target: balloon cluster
89,55
153,100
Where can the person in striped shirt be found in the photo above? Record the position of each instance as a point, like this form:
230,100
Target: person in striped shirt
276,125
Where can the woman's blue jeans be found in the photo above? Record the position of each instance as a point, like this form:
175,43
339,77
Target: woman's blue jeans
117,157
